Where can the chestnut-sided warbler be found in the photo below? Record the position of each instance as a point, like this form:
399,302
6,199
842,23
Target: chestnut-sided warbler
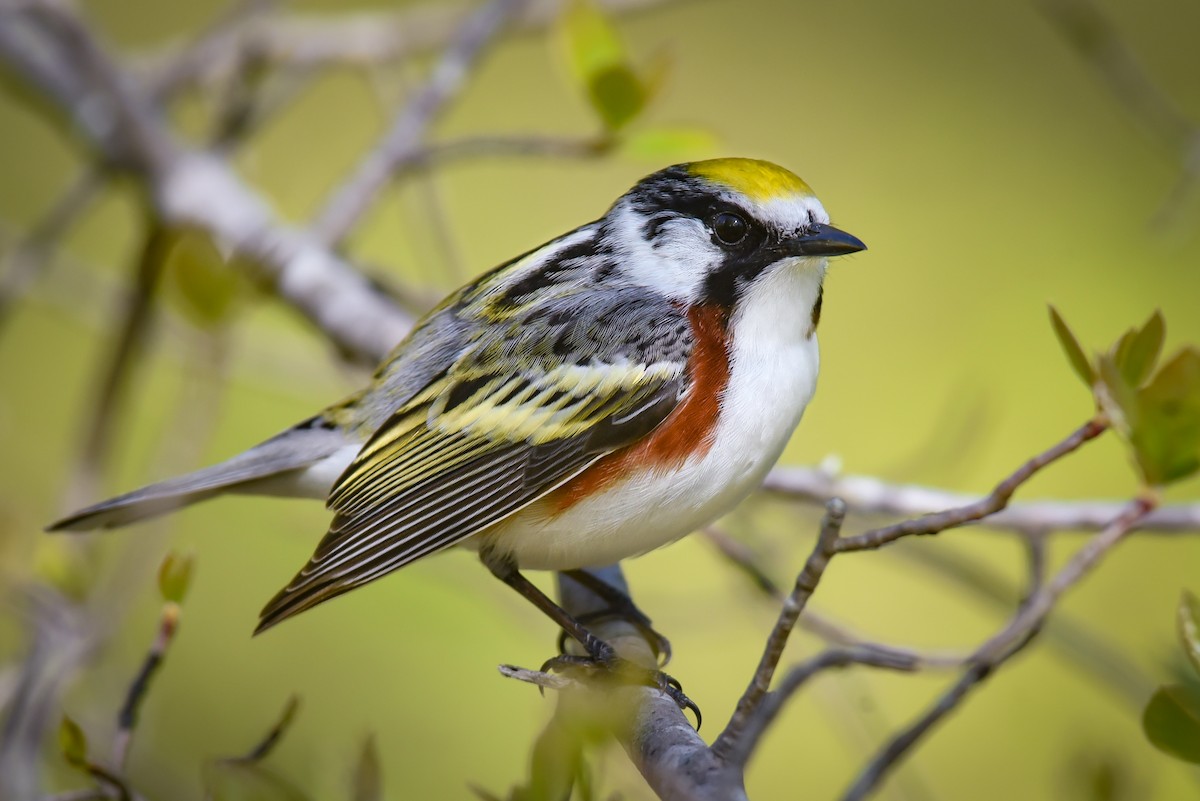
593,399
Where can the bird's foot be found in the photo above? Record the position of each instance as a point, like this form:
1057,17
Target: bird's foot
603,662
630,614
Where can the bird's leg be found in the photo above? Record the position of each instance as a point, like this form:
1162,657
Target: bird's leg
505,569
620,606
600,653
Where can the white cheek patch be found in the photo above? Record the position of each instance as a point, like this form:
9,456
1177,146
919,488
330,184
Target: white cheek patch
675,263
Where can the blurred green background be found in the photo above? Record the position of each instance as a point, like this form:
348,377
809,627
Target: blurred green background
989,168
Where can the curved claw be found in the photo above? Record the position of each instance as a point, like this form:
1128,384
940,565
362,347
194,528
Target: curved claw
674,691
670,687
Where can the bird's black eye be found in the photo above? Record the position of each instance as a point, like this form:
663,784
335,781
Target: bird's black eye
730,228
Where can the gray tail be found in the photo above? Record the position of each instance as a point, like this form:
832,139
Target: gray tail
273,467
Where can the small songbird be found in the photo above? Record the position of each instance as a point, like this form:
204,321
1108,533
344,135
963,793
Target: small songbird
593,399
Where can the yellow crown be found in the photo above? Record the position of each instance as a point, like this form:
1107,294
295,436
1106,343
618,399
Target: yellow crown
759,180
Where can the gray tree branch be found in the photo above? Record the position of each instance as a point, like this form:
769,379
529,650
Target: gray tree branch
119,120
407,132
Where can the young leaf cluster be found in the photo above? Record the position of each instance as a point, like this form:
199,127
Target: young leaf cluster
1154,407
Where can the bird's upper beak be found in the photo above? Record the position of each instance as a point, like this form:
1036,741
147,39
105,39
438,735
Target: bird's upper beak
822,240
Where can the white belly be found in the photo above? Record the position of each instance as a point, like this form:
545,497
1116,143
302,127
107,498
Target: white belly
773,373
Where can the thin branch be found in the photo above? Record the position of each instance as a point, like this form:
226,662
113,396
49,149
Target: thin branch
1098,40
309,42
806,584
133,329
195,57
60,638
821,624
31,254
267,744
972,512
739,555
764,714
1085,646
1013,638
190,188
871,495
168,624
546,681
1100,43
525,145
348,203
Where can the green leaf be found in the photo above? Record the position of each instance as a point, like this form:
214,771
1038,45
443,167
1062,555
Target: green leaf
73,743
1166,434
199,281
230,780
1070,345
1138,350
601,66
669,144
1116,397
1171,722
175,576
1188,618
368,776
617,95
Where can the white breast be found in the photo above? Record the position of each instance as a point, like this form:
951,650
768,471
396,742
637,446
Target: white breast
773,373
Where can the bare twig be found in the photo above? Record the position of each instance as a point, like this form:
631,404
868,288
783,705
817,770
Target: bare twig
806,584
739,555
30,254
134,325
315,41
408,130
871,495
173,74
1100,43
60,638
764,714
267,744
1009,641
192,188
994,502
547,681
168,624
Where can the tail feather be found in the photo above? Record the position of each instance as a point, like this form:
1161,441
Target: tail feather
277,466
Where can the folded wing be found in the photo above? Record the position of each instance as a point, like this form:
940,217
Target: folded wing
509,422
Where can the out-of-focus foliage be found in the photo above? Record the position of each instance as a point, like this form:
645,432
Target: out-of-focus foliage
72,742
175,576
199,282
600,64
985,185
1171,719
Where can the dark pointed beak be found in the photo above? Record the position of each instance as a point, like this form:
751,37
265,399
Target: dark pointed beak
822,240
